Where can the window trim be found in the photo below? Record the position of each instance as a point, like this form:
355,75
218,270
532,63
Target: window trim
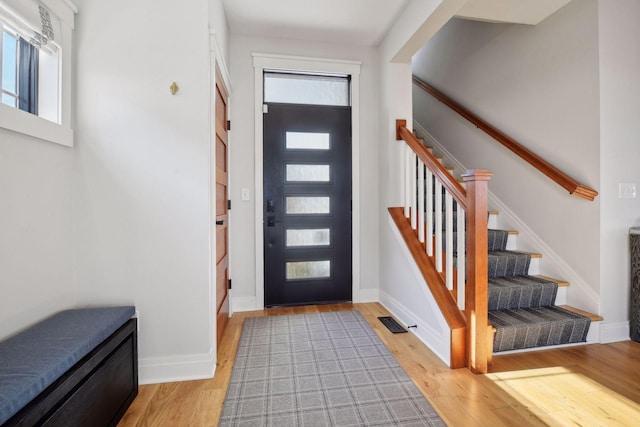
16,120
19,121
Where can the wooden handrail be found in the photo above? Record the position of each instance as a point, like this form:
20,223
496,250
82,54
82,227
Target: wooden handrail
562,179
448,181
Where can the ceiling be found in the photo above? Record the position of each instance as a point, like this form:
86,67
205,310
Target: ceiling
360,22
530,12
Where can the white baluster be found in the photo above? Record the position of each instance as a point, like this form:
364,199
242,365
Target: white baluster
414,189
421,201
448,206
461,252
438,214
429,230
407,181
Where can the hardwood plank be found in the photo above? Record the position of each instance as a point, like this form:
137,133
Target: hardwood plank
137,409
581,385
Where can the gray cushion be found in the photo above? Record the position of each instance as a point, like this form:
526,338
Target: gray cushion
33,359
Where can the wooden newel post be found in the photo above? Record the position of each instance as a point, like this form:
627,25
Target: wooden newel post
479,346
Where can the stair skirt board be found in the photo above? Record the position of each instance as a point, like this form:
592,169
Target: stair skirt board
537,327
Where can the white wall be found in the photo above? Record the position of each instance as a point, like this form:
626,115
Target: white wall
142,176
619,148
242,166
36,230
538,84
220,27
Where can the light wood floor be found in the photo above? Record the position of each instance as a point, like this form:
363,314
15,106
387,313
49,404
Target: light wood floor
595,385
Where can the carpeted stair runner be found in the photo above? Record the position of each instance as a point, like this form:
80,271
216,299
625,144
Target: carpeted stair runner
507,293
537,327
521,307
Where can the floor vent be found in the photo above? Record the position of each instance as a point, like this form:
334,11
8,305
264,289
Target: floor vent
391,324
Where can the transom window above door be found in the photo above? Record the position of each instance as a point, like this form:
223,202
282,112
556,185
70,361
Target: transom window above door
310,89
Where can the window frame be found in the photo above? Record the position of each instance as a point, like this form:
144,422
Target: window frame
15,95
26,102
16,120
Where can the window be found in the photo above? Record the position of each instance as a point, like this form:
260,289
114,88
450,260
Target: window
35,68
314,89
19,67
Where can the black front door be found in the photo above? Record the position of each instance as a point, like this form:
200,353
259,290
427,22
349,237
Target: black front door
307,209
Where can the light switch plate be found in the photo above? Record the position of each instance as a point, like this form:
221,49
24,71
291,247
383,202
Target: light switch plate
245,194
627,190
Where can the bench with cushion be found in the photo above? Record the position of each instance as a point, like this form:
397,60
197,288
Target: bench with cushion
76,368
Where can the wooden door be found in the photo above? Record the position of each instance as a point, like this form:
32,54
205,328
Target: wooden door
222,216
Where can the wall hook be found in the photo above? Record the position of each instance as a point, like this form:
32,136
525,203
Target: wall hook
174,88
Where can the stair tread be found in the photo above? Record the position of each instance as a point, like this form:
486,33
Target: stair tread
532,254
561,283
593,317
508,231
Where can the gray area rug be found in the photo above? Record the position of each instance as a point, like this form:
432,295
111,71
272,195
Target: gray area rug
322,369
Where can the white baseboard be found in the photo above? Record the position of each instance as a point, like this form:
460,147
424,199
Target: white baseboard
594,334
243,304
614,332
369,295
179,368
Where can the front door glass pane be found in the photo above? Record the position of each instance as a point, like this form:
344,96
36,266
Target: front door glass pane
308,270
309,237
308,205
307,141
308,173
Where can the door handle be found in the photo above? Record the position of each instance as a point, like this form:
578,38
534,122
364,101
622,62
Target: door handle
271,221
220,222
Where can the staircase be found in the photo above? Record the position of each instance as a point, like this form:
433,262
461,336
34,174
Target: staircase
489,296
522,306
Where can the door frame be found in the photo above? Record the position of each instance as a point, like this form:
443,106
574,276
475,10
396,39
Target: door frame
262,62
